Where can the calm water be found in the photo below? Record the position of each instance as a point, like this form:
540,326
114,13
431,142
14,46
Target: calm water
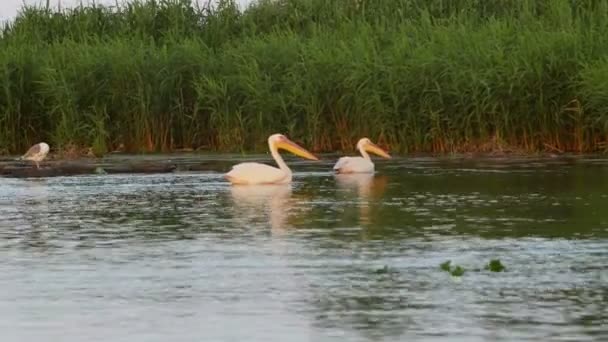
186,257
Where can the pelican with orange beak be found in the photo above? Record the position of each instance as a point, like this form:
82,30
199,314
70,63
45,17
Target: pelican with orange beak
257,173
360,164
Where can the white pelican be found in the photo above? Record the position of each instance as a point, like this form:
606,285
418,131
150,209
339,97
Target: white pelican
36,153
360,164
257,173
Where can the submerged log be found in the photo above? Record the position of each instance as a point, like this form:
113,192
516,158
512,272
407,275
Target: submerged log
20,169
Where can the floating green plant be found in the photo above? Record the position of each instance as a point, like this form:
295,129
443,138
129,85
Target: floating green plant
495,266
455,271
382,270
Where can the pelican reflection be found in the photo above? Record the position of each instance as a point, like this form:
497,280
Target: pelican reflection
367,186
27,212
273,200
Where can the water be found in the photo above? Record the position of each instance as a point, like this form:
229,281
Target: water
186,257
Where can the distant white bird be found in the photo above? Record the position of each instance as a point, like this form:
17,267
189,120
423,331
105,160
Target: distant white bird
257,173
36,153
360,164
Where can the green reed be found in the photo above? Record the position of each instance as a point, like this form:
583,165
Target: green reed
415,75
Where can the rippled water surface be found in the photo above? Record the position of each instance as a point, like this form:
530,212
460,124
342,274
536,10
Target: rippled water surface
186,257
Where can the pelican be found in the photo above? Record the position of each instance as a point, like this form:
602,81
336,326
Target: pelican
360,164
36,153
257,173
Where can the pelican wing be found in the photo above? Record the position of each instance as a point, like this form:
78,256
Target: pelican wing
341,163
256,173
353,165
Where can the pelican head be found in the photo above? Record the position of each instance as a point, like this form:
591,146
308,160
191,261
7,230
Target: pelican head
367,145
279,141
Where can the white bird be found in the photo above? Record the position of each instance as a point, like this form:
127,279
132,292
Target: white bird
257,173
36,153
360,164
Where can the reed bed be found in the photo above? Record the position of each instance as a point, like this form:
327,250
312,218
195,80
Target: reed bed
415,75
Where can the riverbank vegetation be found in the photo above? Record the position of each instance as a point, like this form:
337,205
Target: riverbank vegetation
414,75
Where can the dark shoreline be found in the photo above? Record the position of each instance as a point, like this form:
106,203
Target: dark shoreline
221,162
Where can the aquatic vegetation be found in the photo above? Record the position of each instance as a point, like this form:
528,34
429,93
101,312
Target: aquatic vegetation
445,265
415,75
386,270
456,271
495,266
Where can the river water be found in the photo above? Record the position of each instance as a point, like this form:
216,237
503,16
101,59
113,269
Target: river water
186,257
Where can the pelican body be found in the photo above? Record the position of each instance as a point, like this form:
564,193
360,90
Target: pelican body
36,153
257,173
360,164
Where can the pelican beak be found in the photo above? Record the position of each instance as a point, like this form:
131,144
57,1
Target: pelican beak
373,148
296,149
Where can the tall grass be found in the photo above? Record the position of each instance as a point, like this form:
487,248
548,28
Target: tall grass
415,75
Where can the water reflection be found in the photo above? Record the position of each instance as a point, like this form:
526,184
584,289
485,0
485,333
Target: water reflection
374,302
194,256
271,201
366,186
29,213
